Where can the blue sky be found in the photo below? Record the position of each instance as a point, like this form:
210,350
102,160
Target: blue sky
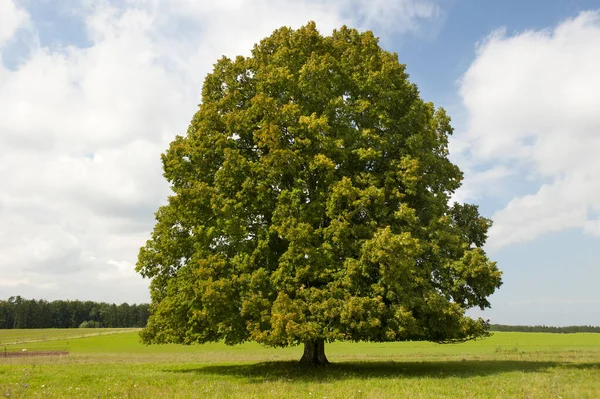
92,92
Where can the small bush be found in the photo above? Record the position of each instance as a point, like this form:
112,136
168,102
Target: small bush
90,324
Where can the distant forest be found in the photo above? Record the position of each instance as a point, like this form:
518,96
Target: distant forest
17,312
546,329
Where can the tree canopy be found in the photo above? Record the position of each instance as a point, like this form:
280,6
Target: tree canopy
310,203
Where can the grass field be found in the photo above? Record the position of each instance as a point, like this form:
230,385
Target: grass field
10,337
112,364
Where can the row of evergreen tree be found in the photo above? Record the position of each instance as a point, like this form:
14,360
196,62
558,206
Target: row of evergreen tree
17,312
546,329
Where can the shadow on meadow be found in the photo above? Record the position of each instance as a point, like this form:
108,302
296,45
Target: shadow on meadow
292,371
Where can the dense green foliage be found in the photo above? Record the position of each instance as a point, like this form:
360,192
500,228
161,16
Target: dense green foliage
310,203
546,329
17,312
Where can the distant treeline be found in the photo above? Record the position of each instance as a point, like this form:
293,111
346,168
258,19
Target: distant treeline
17,312
546,329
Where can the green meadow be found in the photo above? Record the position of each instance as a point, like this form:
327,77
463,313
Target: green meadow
16,337
111,363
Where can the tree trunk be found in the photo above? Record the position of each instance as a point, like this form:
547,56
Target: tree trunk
314,353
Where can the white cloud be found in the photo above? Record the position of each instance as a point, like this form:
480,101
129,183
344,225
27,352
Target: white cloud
12,17
483,182
532,102
82,128
401,16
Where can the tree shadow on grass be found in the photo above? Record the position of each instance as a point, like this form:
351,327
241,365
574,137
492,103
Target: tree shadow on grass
293,371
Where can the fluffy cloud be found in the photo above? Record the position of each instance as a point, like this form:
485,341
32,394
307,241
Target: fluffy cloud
12,18
532,100
82,127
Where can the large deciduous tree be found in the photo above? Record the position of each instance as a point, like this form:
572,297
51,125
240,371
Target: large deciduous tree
310,204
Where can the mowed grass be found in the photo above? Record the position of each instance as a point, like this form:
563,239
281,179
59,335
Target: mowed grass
17,336
506,365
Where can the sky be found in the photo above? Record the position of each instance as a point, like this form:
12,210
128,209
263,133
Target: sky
92,92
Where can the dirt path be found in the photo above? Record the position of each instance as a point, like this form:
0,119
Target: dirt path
34,353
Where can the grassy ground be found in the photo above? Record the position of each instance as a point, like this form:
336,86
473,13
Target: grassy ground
507,365
10,337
